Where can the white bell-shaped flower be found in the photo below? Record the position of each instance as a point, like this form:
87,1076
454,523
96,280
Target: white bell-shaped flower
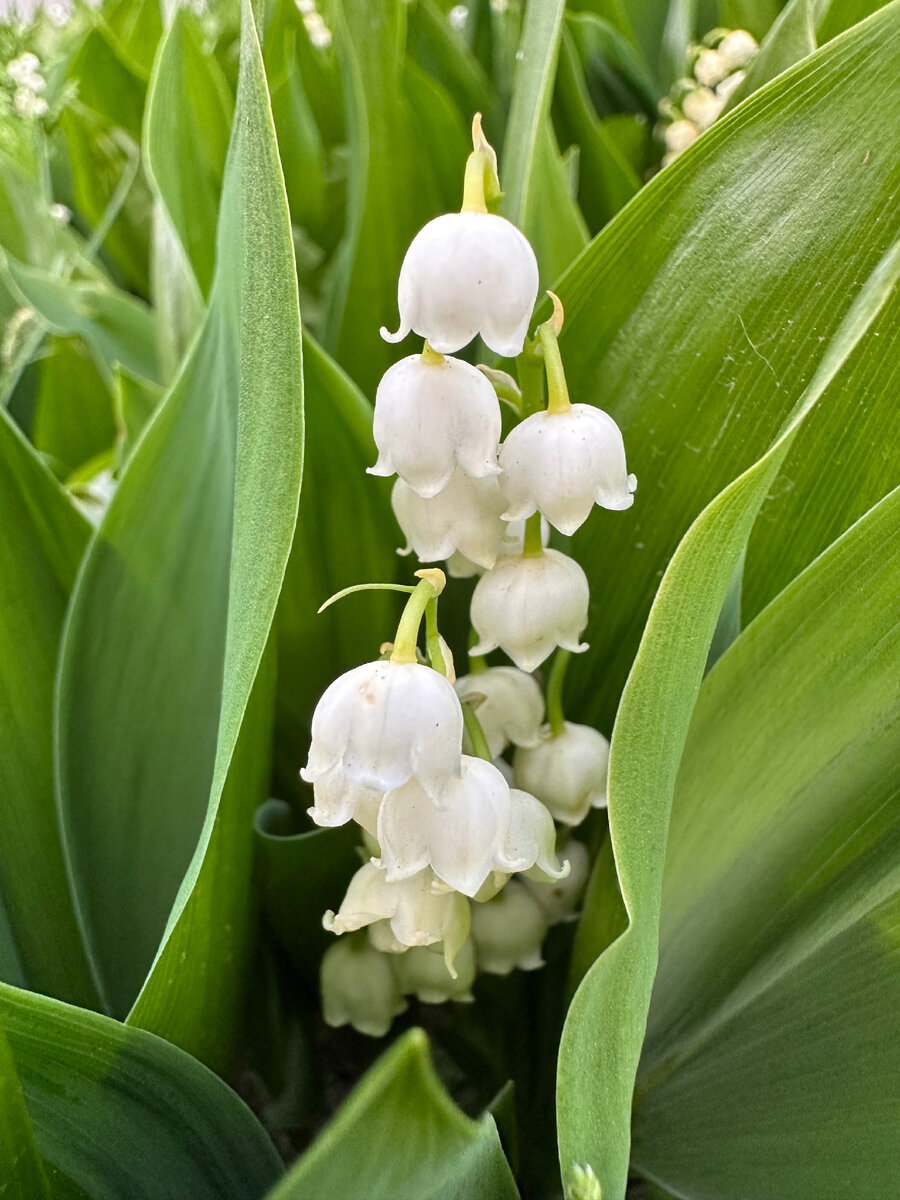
339,800
416,910
711,67
476,826
359,988
467,273
736,48
564,463
432,415
528,604
464,518
422,972
513,541
512,708
384,723
559,898
567,772
703,106
509,931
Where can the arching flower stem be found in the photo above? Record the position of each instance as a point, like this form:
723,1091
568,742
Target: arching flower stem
481,186
548,333
475,733
431,585
555,715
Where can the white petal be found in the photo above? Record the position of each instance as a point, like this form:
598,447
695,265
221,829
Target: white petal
384,722
531,840
466,273
567,773
464,518
559,898
528,605
423,972
508,931
339,800
512,709
432,417
562,463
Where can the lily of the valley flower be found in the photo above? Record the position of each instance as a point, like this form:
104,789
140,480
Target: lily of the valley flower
432,415
476,826
567,772
422,972
467,273
508,931
417,910
559,898
339,800
528,604
563,463
464,517
511,709
461,567
359,988
382,724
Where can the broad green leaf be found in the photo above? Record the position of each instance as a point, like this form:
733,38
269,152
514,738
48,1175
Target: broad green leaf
135,29
42,538
107,84
180,584
302,873
188,119
134,402
118,1112
700,365
118,328
391,192
194,997
841,14
23,1172
447,59
605,1026
400,1137
73,414
346,534
774,1008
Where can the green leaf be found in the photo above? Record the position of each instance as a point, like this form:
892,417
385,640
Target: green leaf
188,118
180,584
42,538
401,1137
194,996
345,534
117,1112
23,1172
73,414
118,328
302,874
778,986
698,365
605,1026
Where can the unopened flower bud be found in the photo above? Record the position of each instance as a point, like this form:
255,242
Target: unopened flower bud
464,517
564,463
432,417
736,48
730,85
679,135
423,973
381,724
529,604
511,709
477,825
559,898
567,772
710,68
509,931
703,106
359,988
468,273
417,912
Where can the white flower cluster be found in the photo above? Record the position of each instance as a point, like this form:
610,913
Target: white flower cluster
461,872
696,102
29,83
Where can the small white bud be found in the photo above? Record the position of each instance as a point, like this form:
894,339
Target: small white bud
432,417
468,273
512,709
509,931
563,464
462,518
567,773
737,48
359,988
528,605
703,106
679,135
61,213
710,68
423,973
28,104
384,723
583,1184
418,914
477,825
559,898
22,70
